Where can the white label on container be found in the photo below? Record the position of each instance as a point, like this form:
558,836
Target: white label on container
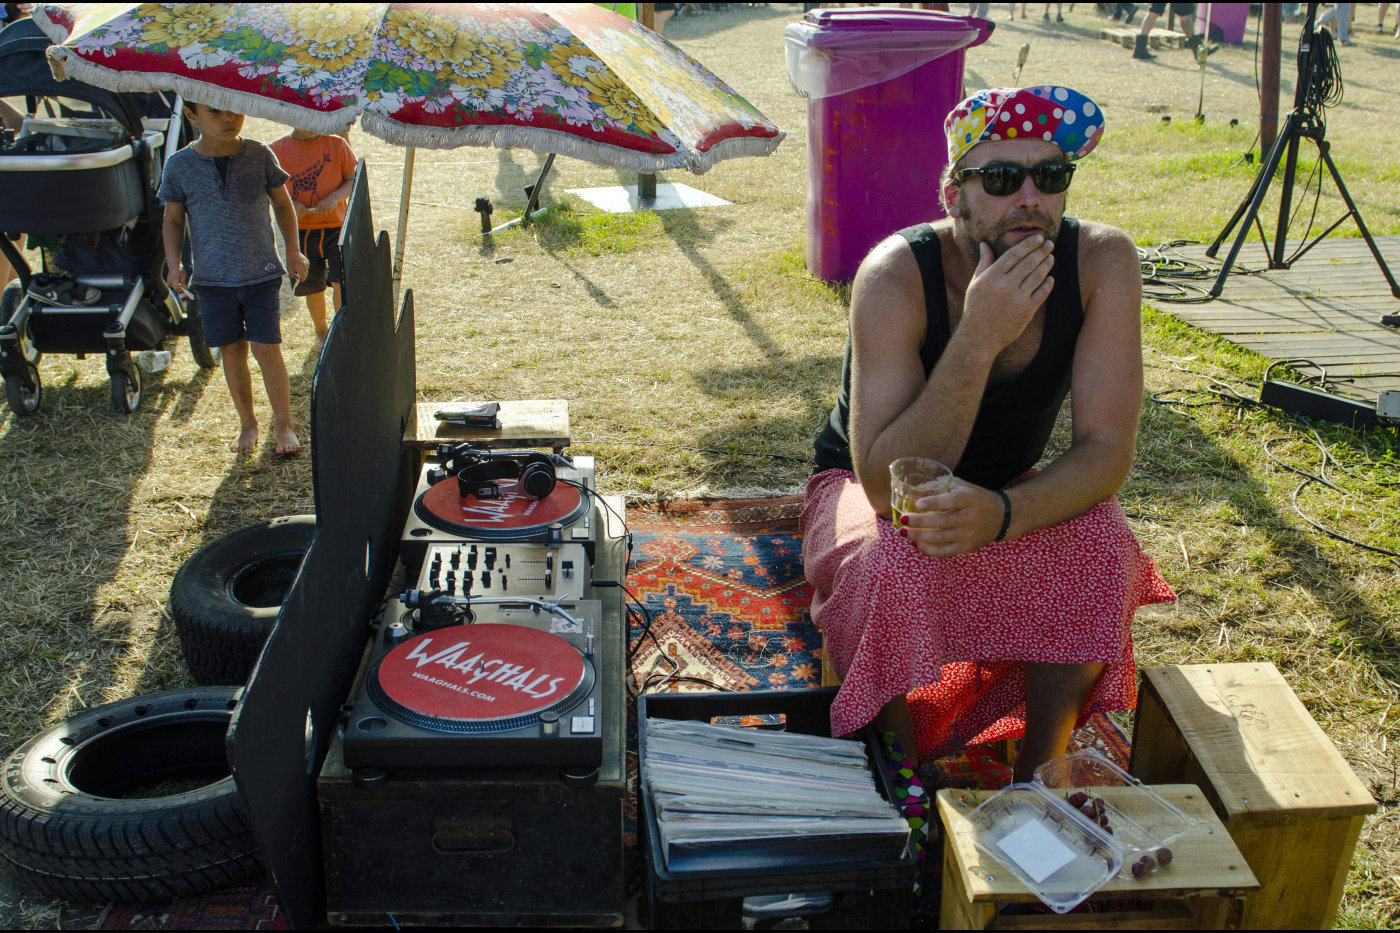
1035,850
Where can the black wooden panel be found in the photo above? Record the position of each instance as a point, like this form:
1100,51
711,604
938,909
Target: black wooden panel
362,393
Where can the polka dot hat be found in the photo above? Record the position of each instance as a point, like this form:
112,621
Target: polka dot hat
1055,114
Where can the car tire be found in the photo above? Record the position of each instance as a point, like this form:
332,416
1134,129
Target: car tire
129,802
226,597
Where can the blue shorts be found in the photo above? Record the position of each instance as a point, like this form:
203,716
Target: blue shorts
244,312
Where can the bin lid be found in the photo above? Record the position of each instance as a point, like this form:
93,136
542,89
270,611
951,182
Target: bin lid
835,51
869,19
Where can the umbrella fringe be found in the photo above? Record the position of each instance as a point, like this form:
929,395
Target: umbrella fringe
538,139
733,148
65,64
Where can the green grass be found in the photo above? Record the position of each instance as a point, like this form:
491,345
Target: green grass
595,233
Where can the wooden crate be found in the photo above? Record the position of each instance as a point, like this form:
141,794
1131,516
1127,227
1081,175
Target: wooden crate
1288,798
1200,890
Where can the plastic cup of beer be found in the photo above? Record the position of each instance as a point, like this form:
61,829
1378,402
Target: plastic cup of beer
912,478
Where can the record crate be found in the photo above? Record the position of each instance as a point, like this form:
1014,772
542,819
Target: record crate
860,895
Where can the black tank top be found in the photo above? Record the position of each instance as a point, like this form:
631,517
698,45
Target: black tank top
1014,423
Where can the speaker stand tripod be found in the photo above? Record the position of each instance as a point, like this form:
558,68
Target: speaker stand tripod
1301,123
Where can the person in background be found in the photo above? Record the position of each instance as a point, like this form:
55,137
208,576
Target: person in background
10,12
1185,12
1342,13
1380,19
322,170
660,12
1003,603
224,185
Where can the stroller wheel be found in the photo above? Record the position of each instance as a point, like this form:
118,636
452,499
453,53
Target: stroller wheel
24,398
126,390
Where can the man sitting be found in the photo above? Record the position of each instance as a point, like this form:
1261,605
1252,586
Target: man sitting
1004,604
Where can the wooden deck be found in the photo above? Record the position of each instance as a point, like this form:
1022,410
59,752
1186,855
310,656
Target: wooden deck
1326,308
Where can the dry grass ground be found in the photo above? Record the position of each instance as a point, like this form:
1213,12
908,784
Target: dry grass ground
698,355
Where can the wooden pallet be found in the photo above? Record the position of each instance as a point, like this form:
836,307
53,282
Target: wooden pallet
1326,307
1157,38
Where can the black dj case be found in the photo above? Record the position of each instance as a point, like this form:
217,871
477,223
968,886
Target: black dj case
509,848
503,846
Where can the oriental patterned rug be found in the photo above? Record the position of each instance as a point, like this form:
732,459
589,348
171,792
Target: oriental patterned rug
722,584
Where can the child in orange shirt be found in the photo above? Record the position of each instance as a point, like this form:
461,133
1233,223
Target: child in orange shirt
322,170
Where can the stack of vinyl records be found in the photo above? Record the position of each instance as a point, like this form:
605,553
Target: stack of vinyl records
728,798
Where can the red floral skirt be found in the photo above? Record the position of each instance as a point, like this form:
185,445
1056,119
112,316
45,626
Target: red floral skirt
951,632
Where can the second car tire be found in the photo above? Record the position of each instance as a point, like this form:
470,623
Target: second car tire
129,802
226,597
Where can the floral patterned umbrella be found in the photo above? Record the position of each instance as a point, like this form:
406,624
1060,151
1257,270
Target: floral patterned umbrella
572,79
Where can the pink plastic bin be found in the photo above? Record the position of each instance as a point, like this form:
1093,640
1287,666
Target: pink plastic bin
1229,18
874,152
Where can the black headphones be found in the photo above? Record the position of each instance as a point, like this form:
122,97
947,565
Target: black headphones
477,471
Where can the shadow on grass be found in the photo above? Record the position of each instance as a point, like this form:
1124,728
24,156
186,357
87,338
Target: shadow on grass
689,232
1181,470
804,387
262,485
516,170
75,473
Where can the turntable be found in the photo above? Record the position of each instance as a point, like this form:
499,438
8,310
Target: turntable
442,513
474,696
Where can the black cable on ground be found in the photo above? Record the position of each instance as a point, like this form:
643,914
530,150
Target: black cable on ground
1219,393
1169,277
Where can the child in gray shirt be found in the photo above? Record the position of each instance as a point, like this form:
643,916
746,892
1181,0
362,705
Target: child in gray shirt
223,186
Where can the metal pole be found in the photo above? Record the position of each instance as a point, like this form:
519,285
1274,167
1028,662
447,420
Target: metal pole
532,195
1269,87
1306,51
646,181
405,189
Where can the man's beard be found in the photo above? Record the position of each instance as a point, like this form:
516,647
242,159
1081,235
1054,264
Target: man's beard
995,234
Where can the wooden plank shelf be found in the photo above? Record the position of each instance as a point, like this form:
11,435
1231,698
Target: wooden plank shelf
531,423
1285,794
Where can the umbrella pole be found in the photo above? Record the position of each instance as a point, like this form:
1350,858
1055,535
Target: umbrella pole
404,191
533,195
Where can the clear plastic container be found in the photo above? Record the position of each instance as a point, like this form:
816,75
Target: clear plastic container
1050,847
1155,823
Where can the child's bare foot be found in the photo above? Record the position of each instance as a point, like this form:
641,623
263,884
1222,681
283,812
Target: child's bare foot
247,441
287,442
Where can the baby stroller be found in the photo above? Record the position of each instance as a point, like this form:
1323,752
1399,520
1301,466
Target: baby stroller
83,171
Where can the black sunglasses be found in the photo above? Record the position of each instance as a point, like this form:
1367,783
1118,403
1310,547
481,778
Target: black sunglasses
1000,179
